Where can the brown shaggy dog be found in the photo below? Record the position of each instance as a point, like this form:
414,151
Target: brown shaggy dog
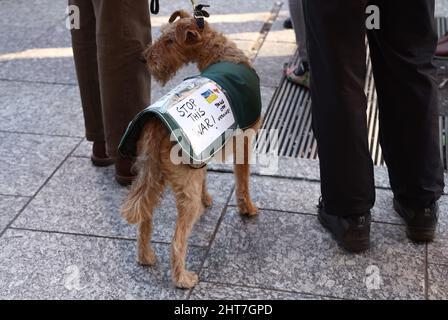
181,42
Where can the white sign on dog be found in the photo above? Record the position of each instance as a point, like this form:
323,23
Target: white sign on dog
203,116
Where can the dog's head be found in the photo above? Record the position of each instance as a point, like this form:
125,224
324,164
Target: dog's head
179,44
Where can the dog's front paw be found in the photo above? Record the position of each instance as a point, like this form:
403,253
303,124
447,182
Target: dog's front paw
186,280
247,207
207,200
146,257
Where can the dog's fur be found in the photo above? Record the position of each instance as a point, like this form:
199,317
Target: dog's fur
181,42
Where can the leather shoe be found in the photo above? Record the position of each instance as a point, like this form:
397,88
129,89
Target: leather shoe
99,156
420,223
350,232
124,173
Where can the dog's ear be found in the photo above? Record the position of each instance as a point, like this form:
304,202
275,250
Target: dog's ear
188,34
178,13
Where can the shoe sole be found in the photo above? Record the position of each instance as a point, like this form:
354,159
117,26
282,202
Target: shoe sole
101,162
354,246
124,180
414,233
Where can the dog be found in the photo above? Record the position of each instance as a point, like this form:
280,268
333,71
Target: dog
182,42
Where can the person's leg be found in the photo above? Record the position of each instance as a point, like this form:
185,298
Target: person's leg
299,74
85,56
123,30
402,52
337,55
298,22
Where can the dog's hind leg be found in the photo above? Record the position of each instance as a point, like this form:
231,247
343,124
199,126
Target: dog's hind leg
188,188
145,255
242,175
206,197
144,197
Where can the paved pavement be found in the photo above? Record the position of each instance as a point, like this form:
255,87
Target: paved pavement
61,236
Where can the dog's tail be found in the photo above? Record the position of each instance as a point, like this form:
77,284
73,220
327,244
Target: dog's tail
147,187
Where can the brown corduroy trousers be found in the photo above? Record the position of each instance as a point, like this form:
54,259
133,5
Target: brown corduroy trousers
114,83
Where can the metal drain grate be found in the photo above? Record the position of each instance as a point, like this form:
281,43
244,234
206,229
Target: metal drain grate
290,113
442,75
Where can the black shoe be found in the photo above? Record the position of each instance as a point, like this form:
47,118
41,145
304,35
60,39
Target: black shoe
420,223
287,24
351,232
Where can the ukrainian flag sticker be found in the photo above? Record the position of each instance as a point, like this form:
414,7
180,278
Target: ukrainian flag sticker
209,95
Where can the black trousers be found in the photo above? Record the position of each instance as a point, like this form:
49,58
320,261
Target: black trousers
402,51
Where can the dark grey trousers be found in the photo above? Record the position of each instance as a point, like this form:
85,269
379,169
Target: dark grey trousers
402,51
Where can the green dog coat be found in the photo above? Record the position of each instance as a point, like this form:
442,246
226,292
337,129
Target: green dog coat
203,112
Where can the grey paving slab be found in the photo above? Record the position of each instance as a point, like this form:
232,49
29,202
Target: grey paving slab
438,250
17,39
266,97
38,14
292,168
295,168
212,291
383,211
48,58
309,169
270,60
216,7
441,8
235,6
288,167
240,29
39,265
22,22
277,32
245,45
438,282
9,208
302,197
40,109
81,198
283,194
293,252
26,160
381,177
84,149
445,190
